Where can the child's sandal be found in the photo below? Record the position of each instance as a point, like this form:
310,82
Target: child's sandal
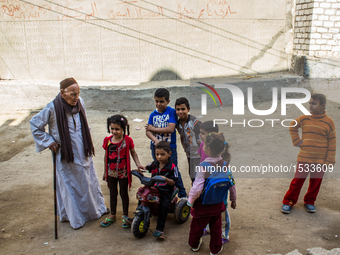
125,224
107,222
127,219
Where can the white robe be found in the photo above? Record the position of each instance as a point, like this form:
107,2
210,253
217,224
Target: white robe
79,196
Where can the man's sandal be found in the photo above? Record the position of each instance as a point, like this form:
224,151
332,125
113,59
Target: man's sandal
107,222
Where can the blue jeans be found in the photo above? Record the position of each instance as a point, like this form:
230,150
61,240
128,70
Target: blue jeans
179,183
227,225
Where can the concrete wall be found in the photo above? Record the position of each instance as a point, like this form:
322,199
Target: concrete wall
137,41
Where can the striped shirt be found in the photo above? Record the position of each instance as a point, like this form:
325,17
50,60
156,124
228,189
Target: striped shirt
318,136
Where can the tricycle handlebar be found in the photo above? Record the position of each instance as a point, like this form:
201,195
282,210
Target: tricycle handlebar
147,181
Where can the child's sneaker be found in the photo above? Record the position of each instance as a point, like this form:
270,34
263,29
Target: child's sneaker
158,234
198,247
286,209
310,208
218,252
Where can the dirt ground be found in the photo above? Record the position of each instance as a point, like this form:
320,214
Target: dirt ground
257,224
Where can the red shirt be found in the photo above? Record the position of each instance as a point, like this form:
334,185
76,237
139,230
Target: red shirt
118,156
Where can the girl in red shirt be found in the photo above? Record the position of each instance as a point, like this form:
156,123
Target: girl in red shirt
118,147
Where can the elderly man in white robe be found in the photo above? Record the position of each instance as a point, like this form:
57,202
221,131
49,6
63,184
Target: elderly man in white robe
79,196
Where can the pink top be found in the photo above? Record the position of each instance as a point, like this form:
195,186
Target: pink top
198,184
201,152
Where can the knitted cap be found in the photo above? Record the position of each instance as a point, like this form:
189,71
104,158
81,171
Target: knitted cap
67,82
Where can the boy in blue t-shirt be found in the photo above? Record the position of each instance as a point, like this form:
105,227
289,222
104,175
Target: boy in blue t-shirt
161,127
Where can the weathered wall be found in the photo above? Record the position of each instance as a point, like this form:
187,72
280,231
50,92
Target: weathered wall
138,41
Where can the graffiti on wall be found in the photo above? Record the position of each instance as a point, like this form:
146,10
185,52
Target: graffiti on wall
119,9
19,10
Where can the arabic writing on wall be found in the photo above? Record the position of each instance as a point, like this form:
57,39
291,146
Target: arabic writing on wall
18,10
213,8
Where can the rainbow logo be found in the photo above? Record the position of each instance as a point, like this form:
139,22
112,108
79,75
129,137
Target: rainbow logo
209,93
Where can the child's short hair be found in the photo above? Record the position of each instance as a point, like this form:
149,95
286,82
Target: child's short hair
320,97
163,145
119,120
162,92
182,100
209,126
217,145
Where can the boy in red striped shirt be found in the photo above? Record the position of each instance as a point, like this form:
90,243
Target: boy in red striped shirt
317,152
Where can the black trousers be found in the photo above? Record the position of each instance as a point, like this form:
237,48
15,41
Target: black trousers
163,210
123,191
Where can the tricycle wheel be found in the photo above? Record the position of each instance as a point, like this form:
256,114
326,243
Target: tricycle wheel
182,211
137,227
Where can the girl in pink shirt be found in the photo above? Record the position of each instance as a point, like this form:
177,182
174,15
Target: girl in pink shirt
217,150
206,128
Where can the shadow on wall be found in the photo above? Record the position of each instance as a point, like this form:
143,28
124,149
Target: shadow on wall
165,74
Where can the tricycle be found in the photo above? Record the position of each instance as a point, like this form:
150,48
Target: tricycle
148,205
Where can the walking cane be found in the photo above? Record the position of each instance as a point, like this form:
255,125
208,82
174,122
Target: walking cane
55,195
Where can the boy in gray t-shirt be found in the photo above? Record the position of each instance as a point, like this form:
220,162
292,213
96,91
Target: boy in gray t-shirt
188,128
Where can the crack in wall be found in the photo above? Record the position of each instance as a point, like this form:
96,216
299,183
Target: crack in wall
263,51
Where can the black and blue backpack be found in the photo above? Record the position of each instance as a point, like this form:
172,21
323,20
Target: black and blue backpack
216,186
